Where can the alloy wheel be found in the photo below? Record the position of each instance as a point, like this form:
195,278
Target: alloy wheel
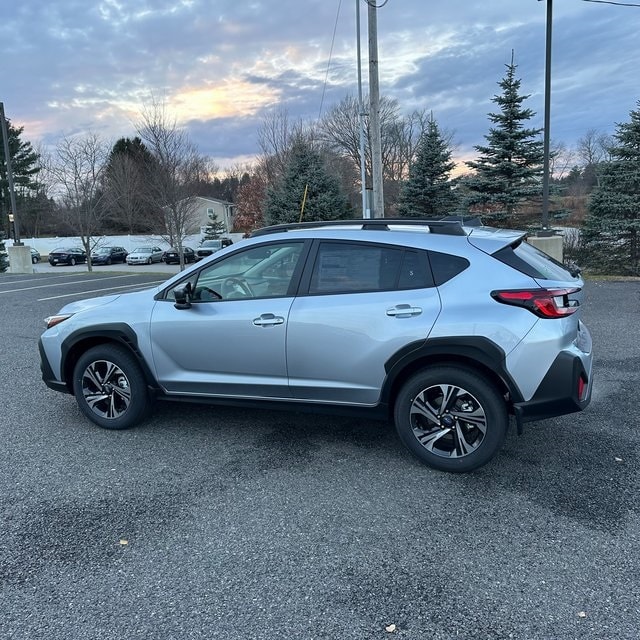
106,389
448,421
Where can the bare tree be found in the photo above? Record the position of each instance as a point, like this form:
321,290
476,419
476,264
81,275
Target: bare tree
593,149
77,169
275,138
172,184
340,130
561,160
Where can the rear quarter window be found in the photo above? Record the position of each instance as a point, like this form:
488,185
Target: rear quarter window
445,266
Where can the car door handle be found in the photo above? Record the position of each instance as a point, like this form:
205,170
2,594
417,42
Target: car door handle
404,311
268,319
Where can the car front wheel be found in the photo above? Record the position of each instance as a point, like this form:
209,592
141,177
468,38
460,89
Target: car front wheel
110,388
451,418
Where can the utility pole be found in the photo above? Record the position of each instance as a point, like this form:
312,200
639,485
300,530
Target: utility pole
374,113
12,193
366,211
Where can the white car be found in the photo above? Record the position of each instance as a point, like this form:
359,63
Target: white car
145,255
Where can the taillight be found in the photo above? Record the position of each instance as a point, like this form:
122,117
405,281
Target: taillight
545,303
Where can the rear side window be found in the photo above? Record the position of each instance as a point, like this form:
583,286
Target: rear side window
445,266
531,261
347,267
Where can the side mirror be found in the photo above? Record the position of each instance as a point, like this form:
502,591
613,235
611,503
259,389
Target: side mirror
182,296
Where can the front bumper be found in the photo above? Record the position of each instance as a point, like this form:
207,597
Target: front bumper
47,372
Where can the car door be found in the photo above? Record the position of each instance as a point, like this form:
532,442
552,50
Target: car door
363,303
231,340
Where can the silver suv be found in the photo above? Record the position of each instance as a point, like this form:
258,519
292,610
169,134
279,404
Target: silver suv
447,330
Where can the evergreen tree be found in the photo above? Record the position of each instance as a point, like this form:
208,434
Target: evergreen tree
508,170
429,190
214,229
129,165
305,182
612,228
24,166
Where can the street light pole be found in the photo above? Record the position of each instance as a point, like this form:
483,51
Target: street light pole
12,193
547,120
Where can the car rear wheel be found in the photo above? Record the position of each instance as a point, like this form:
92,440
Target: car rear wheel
451,418
72,262
110,388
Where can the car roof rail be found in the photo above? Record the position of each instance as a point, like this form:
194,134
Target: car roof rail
443,227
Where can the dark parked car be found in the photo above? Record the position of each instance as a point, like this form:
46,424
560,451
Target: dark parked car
35,255
172,255
211,246
67,255
108,255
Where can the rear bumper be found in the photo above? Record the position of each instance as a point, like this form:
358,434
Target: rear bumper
565,389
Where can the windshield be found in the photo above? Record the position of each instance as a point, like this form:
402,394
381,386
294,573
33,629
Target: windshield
142,250
212,243
103,250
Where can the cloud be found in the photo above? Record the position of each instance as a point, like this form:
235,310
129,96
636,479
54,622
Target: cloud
79,65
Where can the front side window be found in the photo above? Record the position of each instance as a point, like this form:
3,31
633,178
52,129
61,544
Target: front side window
259,272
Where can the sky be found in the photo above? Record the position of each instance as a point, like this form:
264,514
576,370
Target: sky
77,66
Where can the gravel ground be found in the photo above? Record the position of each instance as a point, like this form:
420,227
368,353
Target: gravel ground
210,522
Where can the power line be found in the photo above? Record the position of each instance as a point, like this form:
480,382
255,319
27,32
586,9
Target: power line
620,4
326,77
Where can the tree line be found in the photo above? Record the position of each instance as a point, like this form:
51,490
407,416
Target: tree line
311,171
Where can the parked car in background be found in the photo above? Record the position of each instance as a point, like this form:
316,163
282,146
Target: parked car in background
145,255
209,247
35,256
172,255
108,255
68,255
448,330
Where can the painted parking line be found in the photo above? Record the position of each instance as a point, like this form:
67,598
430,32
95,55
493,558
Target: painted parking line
146,285
59,284
11,282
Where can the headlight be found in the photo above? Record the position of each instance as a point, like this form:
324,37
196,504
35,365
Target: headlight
52,321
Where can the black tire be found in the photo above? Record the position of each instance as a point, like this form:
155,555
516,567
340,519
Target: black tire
72,262
108,261
461,436
110,388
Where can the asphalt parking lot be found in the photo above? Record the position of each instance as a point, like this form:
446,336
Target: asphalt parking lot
241,524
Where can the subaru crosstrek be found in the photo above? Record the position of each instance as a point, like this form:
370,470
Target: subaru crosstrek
445,329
